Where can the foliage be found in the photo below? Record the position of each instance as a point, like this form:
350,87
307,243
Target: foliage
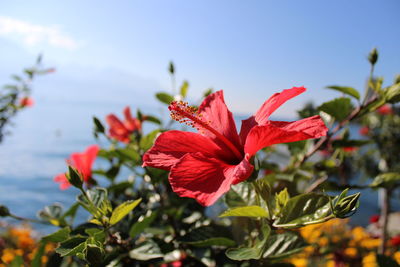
139,221
15,96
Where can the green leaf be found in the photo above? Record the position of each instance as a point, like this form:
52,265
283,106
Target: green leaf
146,251
349,143
152,119
165,98
206,236
101,205
339,108
281,200
304,209
392,93
37,259
346,90
59,236
52,214
184,88
284,244
122,210
72,246
139,226
18,261
147,141
128,154
240,195
248,211
94,255
250,253
387,180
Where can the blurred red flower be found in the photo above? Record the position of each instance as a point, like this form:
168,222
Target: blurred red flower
374,218
364,130
395,241
121,131
385,110
204,165
350,149
26,102
82,162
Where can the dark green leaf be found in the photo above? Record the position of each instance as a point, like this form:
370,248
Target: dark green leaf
152,119
250,253
284,244
349,143
392,93
304,209
240,195
72,246
146,251
147,141
59,236
139,226
206,236
339,108
37,259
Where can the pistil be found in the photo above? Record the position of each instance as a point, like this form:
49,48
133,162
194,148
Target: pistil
183,113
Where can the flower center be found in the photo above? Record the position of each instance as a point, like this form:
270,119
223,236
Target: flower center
183,113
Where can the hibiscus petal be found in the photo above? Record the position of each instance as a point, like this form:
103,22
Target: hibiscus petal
204,178
216,113
170,146
116,125
131,123
276,132
262,115
62,179
84,161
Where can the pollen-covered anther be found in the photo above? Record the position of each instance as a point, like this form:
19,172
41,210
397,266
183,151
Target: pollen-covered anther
183,113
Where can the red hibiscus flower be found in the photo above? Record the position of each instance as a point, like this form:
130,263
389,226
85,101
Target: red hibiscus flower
364,131
82,162
385,110
122,130
26,102
204,165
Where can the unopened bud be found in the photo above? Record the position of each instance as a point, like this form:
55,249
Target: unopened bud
4,212
373,56
74,177
347,205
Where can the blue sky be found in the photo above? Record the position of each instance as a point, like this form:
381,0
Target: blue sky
116,52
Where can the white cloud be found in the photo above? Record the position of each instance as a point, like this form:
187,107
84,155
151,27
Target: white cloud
33,34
